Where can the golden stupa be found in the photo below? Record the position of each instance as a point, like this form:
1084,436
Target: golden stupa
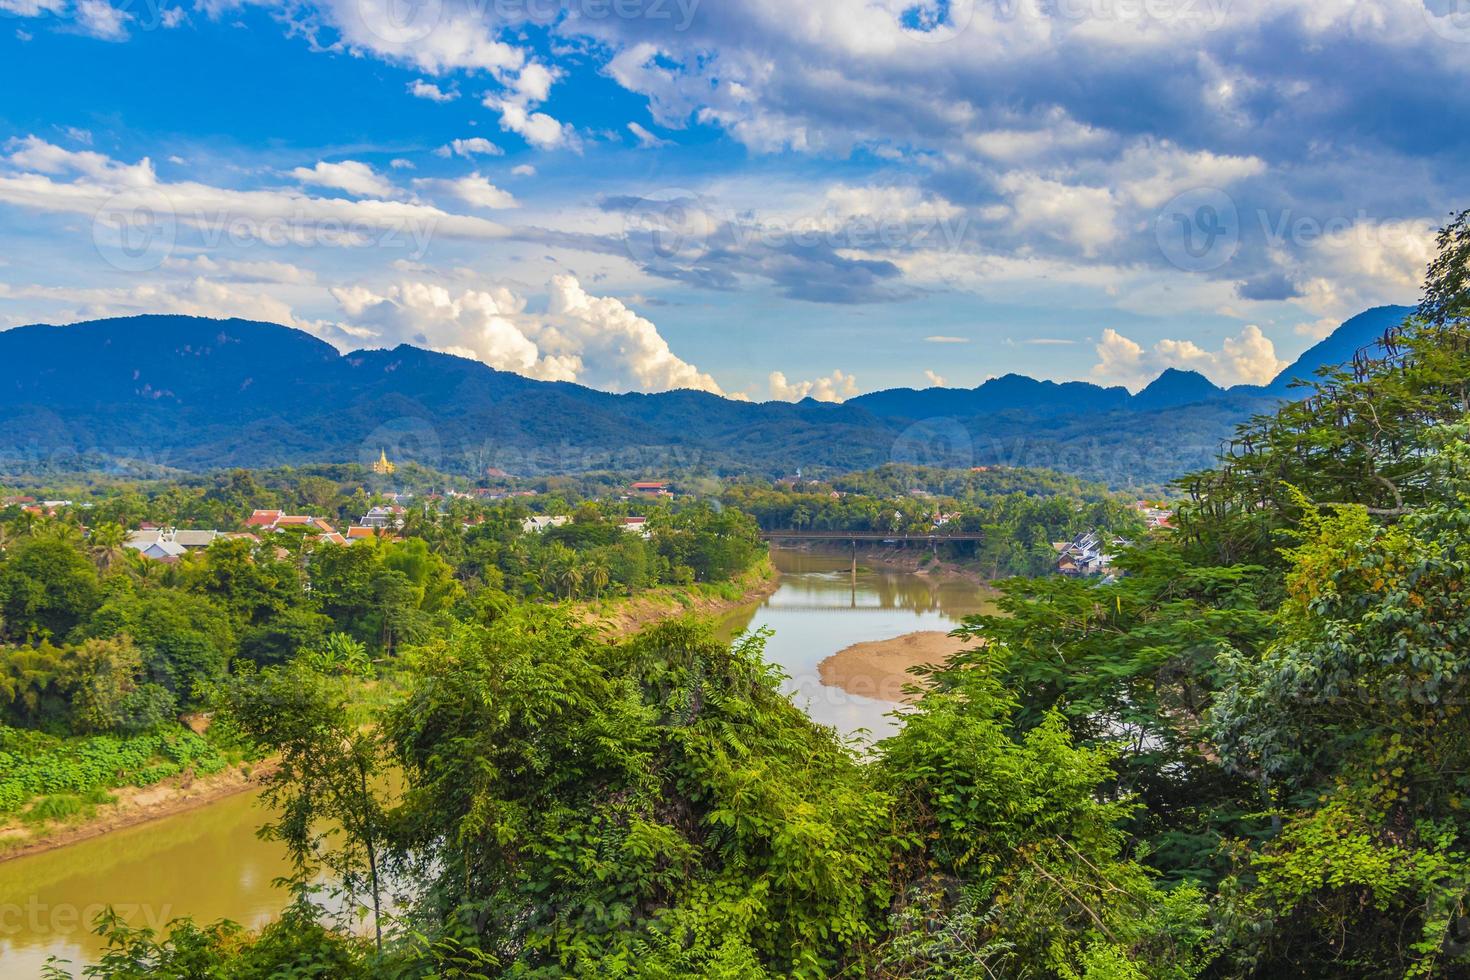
383,466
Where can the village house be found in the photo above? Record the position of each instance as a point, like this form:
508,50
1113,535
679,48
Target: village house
540,522
167,543
1089,554
390,516
652,488
1154,516
316,528
635,525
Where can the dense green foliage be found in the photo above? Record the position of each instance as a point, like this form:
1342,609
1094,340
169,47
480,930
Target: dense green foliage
96,640
33,764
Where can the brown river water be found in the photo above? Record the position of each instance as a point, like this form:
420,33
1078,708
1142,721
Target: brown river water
208,863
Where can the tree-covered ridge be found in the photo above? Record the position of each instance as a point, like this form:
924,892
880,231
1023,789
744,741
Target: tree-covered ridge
170,395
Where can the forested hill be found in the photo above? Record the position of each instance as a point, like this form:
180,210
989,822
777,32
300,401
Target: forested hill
190,393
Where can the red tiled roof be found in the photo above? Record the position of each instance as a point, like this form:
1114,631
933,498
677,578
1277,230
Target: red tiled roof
263,518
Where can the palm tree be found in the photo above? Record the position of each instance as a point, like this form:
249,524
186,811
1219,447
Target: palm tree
141,568
108,542
571,578
598,576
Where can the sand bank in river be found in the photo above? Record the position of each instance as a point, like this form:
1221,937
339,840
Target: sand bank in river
879,668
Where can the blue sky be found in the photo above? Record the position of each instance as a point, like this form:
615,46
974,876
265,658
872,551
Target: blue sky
758,198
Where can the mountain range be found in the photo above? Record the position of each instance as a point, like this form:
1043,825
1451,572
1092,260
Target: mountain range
177,393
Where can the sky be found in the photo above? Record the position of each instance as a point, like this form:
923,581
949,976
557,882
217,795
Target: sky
758,198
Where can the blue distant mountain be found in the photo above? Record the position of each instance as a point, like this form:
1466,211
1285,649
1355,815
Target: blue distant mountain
189,393
1338,347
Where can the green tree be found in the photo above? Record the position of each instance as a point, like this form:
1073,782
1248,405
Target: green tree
48,587
325,788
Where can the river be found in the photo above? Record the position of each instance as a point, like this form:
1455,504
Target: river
208,863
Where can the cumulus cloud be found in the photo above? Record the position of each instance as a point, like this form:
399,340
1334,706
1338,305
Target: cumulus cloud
421,89
937,380
357,179
592,340
1247,358
468,148
836,387
474,190
536,128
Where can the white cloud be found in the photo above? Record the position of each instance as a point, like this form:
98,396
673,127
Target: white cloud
533,83
836,387
536,128
646,140
474,190
32,8
100,19
1080,215
434,37
588,339
942,339
419,88
1247,358
472,147
236,270
357,179
936,380
100,187
523,170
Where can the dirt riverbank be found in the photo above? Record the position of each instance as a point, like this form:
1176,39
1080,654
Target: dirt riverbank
132,805
624,617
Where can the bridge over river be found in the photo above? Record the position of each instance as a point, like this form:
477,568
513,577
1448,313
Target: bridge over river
883,537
